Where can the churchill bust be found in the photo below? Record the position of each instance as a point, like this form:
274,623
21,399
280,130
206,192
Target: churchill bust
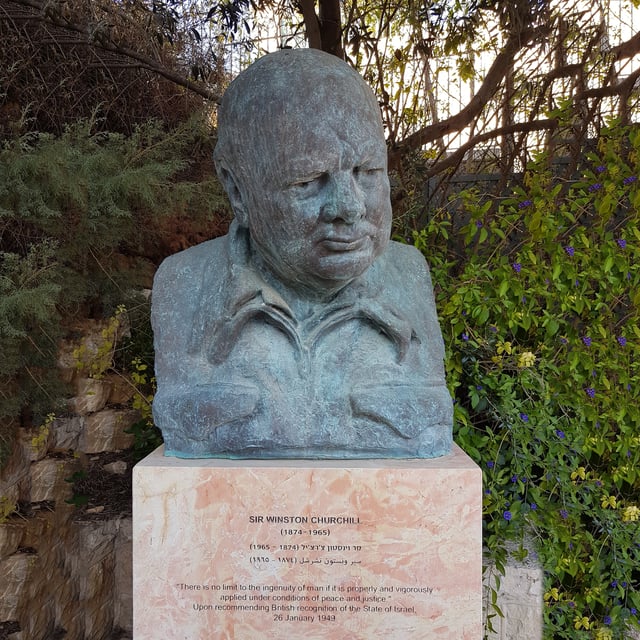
304,332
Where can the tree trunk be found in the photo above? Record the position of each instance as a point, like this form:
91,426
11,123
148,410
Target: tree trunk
311,24
324,31
331,27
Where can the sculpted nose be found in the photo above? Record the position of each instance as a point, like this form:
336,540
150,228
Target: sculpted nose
345,201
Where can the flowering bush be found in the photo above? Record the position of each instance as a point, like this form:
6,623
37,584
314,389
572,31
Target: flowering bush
541,324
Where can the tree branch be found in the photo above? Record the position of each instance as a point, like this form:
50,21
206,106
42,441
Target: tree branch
107,45
489,86
520,127
625,86
627,49
311,23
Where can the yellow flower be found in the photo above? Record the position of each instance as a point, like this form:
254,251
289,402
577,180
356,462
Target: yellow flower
503,347
630,513
609,502
526,359
604,634
581,622
580,472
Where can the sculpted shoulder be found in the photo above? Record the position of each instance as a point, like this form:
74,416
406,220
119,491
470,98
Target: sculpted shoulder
178,282
404,270
190,263
406,255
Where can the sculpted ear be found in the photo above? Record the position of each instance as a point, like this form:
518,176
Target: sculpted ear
236,198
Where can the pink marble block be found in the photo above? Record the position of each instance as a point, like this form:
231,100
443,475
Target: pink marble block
305,549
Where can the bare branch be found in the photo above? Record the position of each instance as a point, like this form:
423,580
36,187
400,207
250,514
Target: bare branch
457,156
107,45
487,90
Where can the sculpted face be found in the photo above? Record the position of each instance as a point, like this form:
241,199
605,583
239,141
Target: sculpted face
322,216
315,195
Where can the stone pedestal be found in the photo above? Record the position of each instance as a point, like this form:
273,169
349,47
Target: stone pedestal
358,549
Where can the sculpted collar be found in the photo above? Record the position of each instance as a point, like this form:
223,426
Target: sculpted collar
246,295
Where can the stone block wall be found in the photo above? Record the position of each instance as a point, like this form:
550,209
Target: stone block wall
65,571
520,598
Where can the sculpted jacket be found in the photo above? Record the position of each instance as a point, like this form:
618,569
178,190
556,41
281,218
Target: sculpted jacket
240,376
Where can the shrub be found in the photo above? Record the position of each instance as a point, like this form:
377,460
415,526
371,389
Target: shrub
79,216
540,320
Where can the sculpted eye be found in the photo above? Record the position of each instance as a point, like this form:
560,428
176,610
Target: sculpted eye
366,170
309,183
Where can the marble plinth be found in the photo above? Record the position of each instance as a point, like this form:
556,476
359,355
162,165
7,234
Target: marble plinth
287,549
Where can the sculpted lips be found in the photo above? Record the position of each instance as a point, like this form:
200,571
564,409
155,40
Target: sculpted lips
343,244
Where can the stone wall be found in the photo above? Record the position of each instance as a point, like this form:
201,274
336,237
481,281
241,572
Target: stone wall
520,599
65,566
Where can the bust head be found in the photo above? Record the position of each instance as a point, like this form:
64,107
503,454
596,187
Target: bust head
302,155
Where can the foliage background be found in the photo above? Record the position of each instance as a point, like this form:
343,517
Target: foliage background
84,219
538,296
536,267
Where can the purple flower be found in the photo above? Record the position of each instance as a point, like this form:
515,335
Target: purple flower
570,251
487,492
493,328
572,604
564,514
591,392
533,506
560,434
622,341
623,584
629,179
607,620
514,478
479,224
601,169
517,267
507,515
465,337
524,417
586,340
614,584
633,611
563,341
525,203
491,464
598,483
595,187
622,243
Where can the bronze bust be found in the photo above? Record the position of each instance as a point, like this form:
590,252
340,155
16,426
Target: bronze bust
304,332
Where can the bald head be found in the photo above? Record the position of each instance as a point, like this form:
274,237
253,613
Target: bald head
293,92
